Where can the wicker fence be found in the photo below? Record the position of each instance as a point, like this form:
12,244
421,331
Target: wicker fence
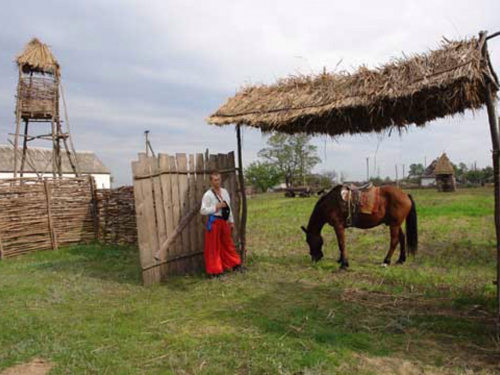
46,214
116,212
40,215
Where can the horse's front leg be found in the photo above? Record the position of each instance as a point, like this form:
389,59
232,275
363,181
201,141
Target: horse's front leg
394,242
340,232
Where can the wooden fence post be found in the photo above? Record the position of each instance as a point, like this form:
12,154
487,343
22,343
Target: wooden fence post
243,221
52,233
94,209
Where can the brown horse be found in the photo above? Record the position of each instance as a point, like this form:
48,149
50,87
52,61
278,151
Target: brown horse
394,206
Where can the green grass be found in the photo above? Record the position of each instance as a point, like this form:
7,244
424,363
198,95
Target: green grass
84,308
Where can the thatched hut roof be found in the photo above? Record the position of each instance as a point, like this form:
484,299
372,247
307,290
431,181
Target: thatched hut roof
405,91
37,57
443,166
429,171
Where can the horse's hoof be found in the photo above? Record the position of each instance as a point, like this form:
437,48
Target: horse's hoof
400,261
384,265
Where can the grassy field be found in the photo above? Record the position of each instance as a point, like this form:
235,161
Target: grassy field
84,309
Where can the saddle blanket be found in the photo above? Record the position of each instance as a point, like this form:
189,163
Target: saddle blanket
364,201
368,200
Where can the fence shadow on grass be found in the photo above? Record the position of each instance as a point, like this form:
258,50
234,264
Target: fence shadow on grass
107,262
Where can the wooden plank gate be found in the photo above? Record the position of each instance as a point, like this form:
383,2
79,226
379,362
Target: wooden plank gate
167,192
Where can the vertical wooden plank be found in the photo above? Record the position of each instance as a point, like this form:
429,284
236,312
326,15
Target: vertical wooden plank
159,210
183,201
176,212
212,163
200,224
166,177
145,216
193,202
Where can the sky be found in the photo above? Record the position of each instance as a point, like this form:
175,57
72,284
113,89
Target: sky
165,66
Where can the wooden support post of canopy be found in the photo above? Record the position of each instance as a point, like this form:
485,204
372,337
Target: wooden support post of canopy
491,105
241,177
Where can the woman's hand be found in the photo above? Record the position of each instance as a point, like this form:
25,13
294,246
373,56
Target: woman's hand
220,205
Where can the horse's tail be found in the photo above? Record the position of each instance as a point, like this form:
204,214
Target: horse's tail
411,228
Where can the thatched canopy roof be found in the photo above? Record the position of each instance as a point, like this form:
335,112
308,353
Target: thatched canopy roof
409,90
37,57
443,166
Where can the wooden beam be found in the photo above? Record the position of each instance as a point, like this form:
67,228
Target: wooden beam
243,220
491,105
162,252
18,121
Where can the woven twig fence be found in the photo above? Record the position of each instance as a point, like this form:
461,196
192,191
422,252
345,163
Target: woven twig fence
116,211
45,214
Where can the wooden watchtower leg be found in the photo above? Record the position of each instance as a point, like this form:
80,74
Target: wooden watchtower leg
25,148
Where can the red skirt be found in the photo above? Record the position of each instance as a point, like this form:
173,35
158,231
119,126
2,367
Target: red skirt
220,253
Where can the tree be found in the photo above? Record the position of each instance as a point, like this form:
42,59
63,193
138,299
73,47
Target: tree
262,176
292,156
416,170
488,174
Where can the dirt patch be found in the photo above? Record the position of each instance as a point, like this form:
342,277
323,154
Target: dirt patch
35,367
399,366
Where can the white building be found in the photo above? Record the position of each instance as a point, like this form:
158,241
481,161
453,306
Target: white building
41,159
428,178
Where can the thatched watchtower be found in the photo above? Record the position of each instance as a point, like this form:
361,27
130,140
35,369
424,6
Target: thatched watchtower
445,175
38,95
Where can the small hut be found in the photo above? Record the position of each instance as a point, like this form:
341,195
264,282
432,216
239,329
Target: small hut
445,175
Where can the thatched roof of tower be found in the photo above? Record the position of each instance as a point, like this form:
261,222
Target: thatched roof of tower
443,166
409,90
38,57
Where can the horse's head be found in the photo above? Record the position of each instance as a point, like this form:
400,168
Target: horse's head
315,242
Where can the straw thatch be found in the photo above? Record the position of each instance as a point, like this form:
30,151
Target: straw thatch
443,166
37,57
405,91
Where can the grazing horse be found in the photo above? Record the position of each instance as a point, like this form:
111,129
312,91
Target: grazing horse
392,207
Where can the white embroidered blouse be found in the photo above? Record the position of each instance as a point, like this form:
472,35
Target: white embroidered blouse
209,202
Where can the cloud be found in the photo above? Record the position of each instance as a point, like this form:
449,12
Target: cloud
165,65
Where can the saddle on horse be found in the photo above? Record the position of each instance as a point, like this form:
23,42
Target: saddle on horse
359,200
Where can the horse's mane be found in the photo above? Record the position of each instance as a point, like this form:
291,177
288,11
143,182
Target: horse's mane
318,208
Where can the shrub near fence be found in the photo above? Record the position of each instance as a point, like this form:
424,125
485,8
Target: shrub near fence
46,214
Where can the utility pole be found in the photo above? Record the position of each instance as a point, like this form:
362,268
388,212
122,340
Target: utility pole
148,144
367,169
397,181
425,161
403,171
